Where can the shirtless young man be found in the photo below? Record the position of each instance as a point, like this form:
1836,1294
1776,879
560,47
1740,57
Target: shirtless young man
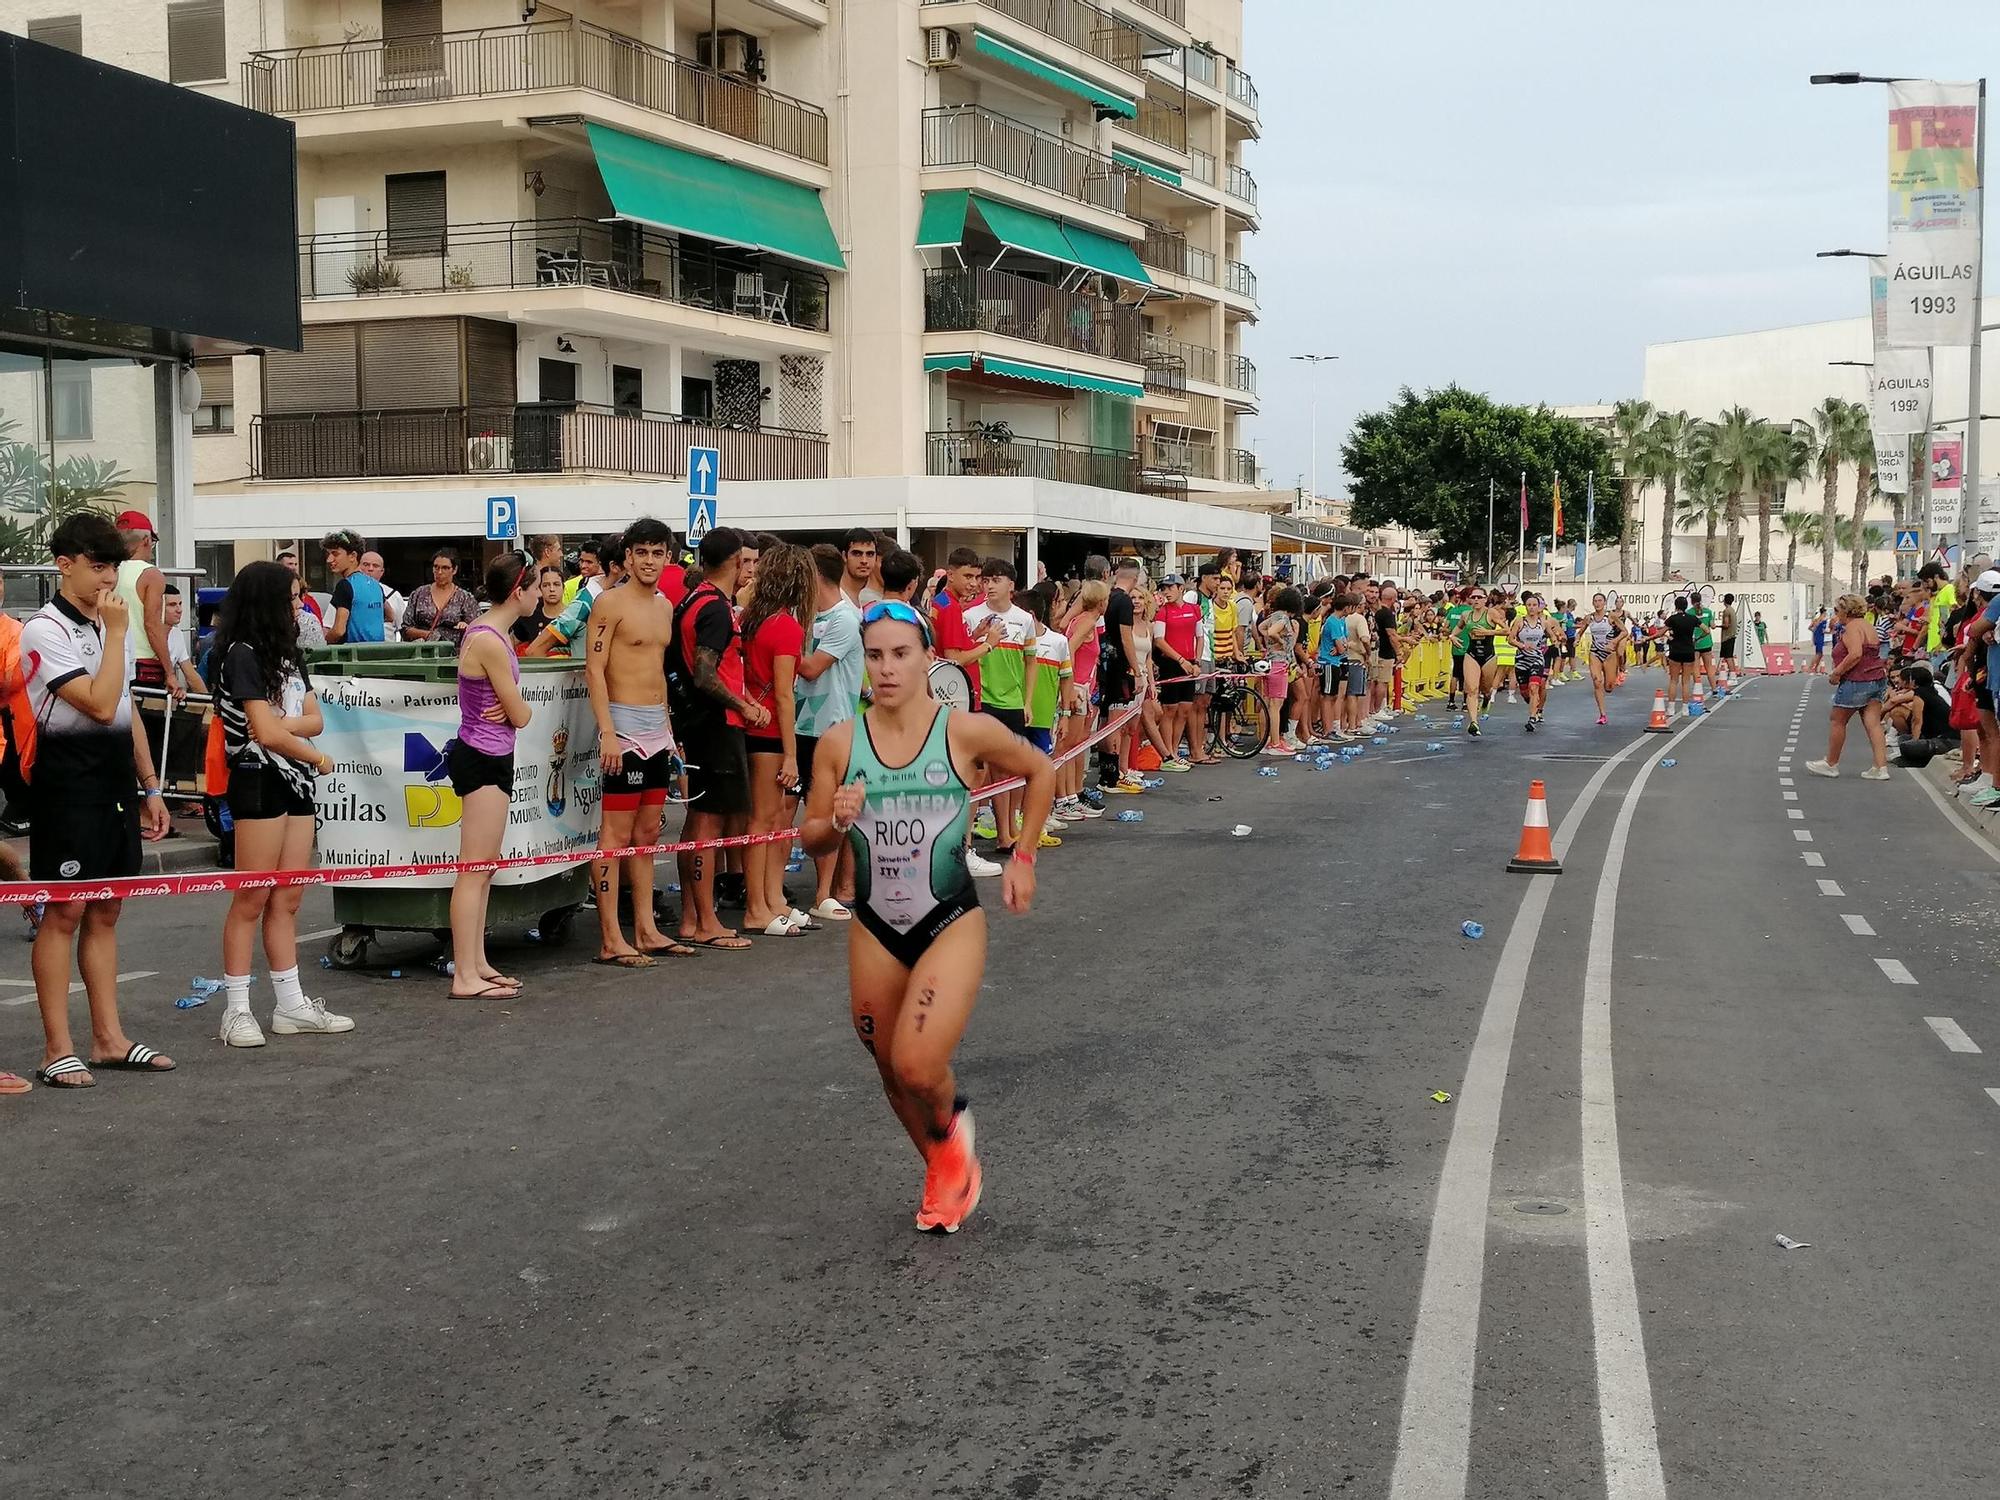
625,669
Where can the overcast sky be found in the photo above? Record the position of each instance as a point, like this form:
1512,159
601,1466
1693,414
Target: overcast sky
1452,192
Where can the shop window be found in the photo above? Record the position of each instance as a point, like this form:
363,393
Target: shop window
196,48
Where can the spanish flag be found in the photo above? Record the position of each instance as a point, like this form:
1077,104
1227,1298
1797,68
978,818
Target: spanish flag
1557,530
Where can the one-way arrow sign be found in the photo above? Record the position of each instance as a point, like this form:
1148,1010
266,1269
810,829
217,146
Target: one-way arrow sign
704,473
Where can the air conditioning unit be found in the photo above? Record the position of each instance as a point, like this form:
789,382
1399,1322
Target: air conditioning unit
733,52
940,47
488,454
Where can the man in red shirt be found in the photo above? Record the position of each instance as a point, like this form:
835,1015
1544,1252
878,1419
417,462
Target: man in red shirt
964,586
1177,624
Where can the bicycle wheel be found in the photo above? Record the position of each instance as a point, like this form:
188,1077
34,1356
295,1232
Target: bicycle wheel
1249,728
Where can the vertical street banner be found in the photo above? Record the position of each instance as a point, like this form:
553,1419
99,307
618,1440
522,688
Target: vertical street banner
1878,300
1892,465
1899,400
1934,202
1947,485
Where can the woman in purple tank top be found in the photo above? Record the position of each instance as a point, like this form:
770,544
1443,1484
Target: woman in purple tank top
481,763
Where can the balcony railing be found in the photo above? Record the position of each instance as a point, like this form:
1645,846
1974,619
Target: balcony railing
1240,467
1168,250
1241,89
966,135
1240,184
1010,457
1162,122
1173,10
527,59
1076,22
1238,373
563,253
532,438
1204,166
972,300
1240,279
1196,359
1188,457
1166,375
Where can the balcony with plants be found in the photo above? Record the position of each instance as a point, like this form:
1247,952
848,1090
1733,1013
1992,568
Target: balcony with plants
557,255
537,57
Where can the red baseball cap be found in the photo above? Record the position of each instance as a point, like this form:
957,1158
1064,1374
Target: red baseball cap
135,520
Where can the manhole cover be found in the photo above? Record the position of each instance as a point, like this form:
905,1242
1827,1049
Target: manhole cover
1541,1206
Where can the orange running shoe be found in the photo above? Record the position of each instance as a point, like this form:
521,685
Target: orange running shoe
953,1180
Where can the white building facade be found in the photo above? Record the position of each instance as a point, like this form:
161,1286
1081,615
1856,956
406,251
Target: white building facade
965,270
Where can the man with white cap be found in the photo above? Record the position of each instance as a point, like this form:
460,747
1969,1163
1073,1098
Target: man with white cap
1982,648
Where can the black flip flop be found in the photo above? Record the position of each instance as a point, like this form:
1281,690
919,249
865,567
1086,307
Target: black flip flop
137,1060
61,1074
625,961
491,992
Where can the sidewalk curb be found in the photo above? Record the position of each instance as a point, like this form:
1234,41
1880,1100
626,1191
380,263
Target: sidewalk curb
1981,823
193,850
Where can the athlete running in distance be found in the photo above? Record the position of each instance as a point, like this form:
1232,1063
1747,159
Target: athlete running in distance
1606,634
1536,638
896,782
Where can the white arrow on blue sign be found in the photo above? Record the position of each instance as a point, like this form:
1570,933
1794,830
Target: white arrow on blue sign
704,473
1907,541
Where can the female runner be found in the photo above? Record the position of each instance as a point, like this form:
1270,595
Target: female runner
897,782
1606,634
1477,629
1535,640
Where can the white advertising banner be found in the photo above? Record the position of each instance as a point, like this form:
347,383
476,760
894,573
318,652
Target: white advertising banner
1947,506
1934,202
1900,392
389,801
1892,465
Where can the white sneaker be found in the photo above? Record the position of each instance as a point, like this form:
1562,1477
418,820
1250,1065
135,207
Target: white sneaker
1875,773
1978,783
315,1019
1821,768
240,1029
980,865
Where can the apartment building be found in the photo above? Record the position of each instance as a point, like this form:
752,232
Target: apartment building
961,269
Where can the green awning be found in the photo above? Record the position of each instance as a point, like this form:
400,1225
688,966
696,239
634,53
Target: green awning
1018,229
1070,379
1102,253
1139,164
686,193
943,223
947,362
1053,73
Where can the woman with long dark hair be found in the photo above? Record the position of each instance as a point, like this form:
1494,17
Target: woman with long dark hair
480,761
774,638
269,716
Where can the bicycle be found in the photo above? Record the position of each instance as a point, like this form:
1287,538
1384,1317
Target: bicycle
1238,706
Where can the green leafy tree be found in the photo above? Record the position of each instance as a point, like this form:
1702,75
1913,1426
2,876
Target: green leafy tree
1426,462
1672,432
1841,428
1634,453
35,499
1705,498
1802,529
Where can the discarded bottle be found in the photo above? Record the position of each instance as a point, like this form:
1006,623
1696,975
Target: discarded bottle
1132,815
199,990
1434,746
1152,783
792,867
1267,770
533,934
325,962
1379,740
395,973
1667,762
1472,930
444,966
1324,763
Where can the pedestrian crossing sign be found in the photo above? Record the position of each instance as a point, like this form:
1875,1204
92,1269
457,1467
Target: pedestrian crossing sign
701,519
1907,541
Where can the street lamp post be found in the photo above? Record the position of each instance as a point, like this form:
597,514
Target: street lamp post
1315,361
1969,514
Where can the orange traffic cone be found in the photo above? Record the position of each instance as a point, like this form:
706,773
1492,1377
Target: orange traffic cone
1536,856
1697,705
1658,724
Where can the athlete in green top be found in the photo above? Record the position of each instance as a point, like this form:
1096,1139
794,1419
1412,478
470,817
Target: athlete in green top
896,783
1704,643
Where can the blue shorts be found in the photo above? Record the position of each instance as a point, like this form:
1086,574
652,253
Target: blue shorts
1858,694
1043,740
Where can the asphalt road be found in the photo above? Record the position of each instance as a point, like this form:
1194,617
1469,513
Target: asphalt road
650,1234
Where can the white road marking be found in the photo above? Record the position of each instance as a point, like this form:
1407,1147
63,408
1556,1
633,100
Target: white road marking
1795,813
74,989
1788,796
1830,888
1950,817
1952,1035
1817,861
1803,835
1858,925
1785,781
324,932
1632,1469
1433,1448
1994,1095
1895,971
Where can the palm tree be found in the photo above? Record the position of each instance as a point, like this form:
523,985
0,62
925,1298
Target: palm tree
1787,457
1864,493
1738,452
1801,529
1633,457
1671,432
1705,501
1841,427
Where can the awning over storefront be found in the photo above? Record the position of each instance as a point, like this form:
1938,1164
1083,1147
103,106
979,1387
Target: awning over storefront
1021,369
687,193
1139,164
1053,73
1058,240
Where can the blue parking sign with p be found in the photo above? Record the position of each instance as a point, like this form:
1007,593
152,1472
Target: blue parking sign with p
503,522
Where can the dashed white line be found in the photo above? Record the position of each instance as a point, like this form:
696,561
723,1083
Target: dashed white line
324,932
1803,835
1952,1035
1858,925
1788,796
1894,970
1816,861
1994,1095
1785,781
1796,814
1830,888
74,989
